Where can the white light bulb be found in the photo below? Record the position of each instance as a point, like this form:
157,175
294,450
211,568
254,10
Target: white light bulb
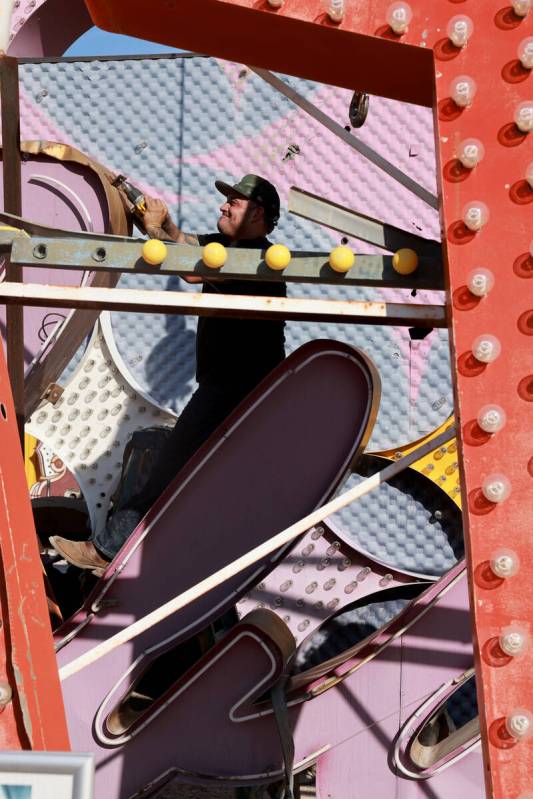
519,724
475,215
496,488
504,563
529,174
525,52
513,640
521,7
399,15
480,281
486,348
491,418
460,29
336,10
470,152
275,3
462,90
523,116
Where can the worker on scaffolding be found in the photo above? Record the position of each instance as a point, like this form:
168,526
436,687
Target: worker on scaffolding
232,357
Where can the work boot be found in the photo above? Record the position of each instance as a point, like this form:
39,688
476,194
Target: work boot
82,554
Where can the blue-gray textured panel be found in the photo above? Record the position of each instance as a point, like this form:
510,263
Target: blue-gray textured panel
344,631
408,522
174,125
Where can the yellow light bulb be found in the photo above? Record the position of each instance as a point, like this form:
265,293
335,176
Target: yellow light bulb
154,252
404,261
214,255
278,257
341,259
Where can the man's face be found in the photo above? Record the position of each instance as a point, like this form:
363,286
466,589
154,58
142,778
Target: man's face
238,215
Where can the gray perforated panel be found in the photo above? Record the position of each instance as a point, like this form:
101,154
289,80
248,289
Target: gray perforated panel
408,522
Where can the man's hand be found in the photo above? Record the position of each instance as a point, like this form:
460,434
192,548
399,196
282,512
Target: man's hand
155,216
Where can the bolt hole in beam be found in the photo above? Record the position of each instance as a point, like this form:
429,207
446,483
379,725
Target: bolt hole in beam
40,251
100,254
3,412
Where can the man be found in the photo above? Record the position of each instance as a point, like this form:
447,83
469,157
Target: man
232,356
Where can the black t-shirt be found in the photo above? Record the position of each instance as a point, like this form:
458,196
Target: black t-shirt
238,353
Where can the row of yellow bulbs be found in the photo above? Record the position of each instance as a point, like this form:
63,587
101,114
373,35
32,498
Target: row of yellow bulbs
278,257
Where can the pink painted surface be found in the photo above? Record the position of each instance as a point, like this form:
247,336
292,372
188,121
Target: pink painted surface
62,195
237,491
350,727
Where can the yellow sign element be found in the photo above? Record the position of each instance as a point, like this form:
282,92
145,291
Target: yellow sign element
441,465
30,460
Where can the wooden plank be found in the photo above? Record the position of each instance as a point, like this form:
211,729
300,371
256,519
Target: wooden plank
348,138
9,87
365,228
242,264
231,305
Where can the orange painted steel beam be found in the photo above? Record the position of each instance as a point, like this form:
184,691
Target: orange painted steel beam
34,718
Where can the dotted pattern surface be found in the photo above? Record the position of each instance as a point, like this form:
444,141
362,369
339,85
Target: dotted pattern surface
317,579
91,423
174,125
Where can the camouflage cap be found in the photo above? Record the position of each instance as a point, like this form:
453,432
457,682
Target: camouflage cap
258,189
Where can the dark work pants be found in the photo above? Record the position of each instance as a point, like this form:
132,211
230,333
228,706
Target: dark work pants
205,411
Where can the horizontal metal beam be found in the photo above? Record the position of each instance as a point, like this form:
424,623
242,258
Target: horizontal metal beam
183,259
230,305
345,220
